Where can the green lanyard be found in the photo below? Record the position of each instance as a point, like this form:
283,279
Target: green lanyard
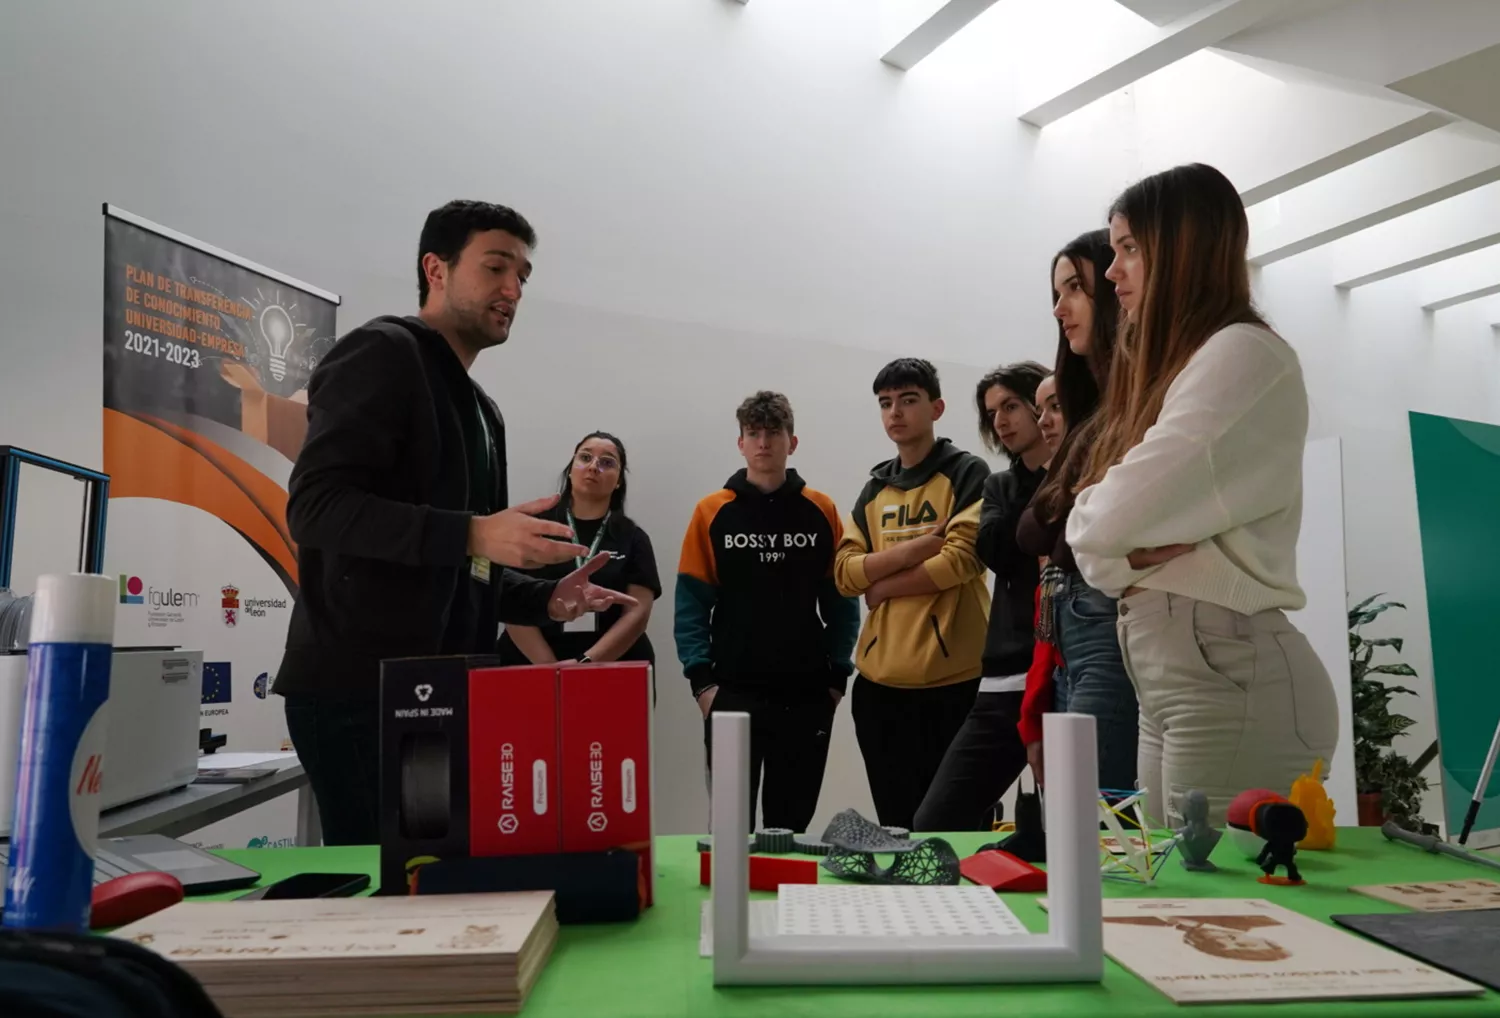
598,538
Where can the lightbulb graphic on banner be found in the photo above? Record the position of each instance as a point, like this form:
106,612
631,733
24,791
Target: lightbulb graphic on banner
276,326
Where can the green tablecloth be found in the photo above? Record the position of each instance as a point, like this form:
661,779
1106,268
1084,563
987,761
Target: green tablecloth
651,968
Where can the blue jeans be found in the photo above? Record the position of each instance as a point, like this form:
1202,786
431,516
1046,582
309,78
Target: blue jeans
1094,681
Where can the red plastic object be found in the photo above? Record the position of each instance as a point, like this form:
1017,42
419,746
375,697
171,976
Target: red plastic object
766,873
1002,871
134,896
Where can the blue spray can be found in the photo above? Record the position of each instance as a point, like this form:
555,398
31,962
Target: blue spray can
61,771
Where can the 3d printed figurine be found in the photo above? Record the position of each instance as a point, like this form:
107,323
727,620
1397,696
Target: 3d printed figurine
1029,840
1309,796
1196,838
1282,825
1237,819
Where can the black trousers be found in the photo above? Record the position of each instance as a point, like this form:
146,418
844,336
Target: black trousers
903,735
338,741
983,760
789,742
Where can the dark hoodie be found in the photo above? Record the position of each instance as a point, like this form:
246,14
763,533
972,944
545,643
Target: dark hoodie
1008,646
756,604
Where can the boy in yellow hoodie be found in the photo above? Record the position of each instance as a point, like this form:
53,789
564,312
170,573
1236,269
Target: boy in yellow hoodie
909,550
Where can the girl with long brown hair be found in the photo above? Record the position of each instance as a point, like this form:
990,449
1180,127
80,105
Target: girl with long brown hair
1191,502
1076,618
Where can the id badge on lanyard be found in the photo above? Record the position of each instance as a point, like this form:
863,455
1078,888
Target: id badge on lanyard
588,622
479,566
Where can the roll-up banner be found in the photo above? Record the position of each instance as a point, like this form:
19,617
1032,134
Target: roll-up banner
207,357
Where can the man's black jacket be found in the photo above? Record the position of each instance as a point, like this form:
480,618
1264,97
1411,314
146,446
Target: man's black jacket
379,508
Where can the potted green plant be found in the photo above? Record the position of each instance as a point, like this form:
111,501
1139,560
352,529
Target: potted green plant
1389,785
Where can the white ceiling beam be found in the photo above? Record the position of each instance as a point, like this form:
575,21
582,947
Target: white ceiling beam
1270,255
1418,125
1177,40
946,22
1420,262
1463,298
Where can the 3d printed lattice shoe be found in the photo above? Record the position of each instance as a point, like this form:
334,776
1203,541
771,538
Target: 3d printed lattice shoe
930,861
811,844
773,840
853,833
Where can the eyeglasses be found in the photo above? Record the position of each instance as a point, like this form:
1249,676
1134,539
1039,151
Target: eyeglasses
604,464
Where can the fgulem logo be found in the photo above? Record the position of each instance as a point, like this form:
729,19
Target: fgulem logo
423,692
132,590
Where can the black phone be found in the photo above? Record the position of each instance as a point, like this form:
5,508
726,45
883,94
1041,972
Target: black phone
311,885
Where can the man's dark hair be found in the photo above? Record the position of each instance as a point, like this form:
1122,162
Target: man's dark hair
448,229
908,373
1021,378
766,410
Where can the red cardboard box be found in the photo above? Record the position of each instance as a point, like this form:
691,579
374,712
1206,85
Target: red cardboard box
513,754
606,760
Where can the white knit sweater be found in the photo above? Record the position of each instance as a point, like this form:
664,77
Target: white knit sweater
1220,469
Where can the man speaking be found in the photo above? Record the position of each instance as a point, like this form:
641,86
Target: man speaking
398,505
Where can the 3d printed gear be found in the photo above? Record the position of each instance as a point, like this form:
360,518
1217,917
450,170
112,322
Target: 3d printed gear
811,844
773,840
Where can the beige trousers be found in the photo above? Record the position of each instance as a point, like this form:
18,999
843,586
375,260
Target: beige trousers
1228,702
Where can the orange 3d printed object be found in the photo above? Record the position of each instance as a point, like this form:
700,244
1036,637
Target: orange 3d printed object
1309,795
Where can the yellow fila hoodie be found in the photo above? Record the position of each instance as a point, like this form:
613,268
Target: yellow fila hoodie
925,639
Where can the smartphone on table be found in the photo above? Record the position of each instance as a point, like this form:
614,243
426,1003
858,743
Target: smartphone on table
311,885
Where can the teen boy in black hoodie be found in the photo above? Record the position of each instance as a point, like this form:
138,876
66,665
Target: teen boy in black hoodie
398,503
760,626
987,754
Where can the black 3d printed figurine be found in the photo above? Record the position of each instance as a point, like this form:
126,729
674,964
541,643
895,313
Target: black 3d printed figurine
1029,842
1282,825
1196,839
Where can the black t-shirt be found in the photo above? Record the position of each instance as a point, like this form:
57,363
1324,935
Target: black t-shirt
632,563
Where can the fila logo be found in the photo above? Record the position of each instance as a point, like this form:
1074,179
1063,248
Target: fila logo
907,516
423,692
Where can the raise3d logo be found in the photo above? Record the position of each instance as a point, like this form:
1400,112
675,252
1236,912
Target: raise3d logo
423,692
597,819
508,821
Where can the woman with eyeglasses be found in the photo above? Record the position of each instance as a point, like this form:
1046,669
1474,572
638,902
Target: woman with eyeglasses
593,504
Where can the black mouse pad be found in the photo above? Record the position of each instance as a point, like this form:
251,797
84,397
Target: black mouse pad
1466,944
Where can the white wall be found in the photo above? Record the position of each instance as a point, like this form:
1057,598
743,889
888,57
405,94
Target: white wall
728,197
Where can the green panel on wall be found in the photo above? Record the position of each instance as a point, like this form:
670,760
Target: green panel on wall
1457,465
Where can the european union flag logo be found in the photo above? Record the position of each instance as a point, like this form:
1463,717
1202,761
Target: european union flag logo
216,682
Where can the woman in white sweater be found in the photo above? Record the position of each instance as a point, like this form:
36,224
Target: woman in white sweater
1191,503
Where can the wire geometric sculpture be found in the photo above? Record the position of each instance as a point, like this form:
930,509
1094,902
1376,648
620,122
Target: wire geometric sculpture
1072,949
1139,860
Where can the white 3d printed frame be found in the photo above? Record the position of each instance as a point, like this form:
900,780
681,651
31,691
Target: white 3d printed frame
1072,949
